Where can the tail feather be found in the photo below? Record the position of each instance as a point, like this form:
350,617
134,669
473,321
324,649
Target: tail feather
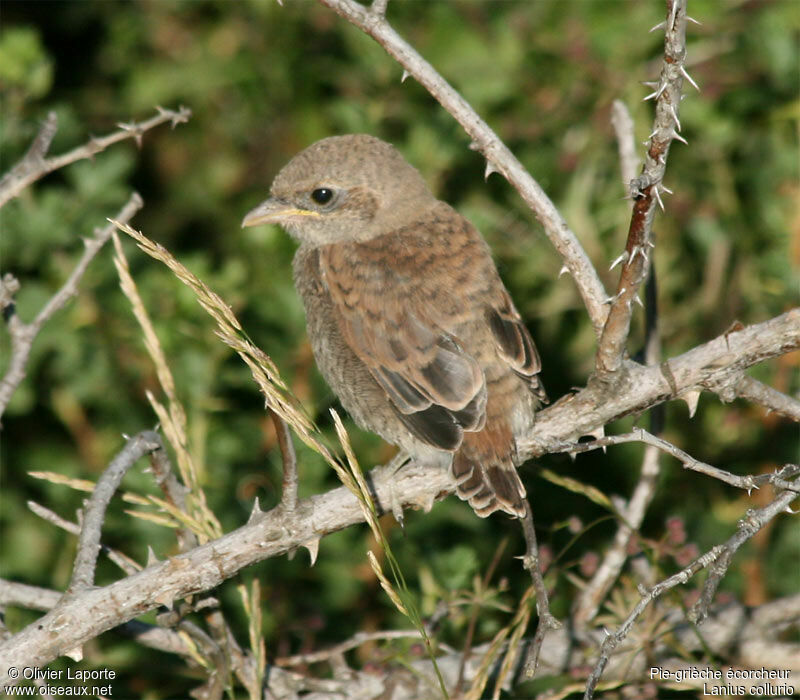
486,478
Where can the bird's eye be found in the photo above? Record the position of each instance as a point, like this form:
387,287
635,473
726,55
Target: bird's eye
322,195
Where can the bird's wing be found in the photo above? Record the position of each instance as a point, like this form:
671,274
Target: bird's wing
514,343
397,310
404,301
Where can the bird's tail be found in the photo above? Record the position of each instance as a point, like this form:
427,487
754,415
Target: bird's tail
485,475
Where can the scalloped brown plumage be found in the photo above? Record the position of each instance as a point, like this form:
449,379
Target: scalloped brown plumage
408,319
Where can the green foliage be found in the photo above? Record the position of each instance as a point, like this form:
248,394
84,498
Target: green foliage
265,81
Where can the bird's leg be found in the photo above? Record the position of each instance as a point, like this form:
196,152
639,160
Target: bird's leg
392,467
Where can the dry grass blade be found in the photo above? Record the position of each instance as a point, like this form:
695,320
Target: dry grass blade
201,520
263,369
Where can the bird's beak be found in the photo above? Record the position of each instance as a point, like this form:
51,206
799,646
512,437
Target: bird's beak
274,211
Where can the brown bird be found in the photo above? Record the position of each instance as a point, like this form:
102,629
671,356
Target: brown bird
408,319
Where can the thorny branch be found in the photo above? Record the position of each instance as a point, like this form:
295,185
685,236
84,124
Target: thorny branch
588,600
717,560
36,164
95,511
773,400
645,191
748,483
23,334
276,532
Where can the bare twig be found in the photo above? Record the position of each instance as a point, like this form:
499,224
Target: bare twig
646,192
33,597
355,641
94,513
748,483
34,160
121,560
289,458
499,157
547,621
648,596
588,600
718,560
35,164
753,521
773,400
626,141
173,489
23,334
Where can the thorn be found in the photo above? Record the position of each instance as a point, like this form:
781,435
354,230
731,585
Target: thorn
657,93
674,114
126,436
474,146
693,21
658,198
151,556
76,653
691,397
573,455
405,75
666,189
134,130
489,170
678,137
280,2
564,269
650,83
94,146
688,77
790,511
164,598
652,133
255,513
618,260
313,549
673,14
638,185
656,27
181,116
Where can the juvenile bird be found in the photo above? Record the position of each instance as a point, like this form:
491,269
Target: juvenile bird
408,319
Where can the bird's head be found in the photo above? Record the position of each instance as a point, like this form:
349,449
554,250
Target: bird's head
344,188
